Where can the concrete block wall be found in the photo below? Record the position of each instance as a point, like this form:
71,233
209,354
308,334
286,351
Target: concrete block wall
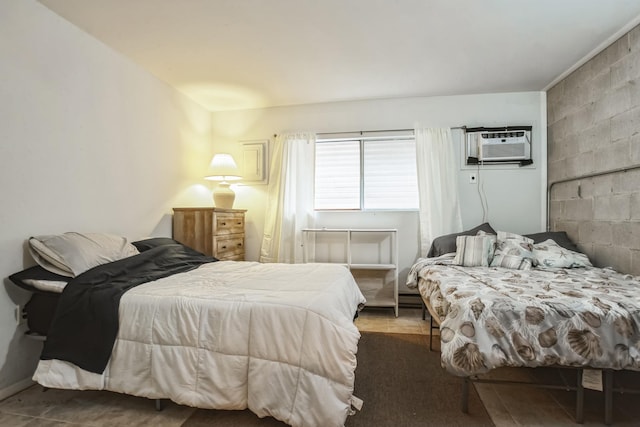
593,120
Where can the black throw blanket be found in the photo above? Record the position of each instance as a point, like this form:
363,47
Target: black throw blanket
85,325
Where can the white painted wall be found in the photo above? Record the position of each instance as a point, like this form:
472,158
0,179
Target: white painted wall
515,196
88,142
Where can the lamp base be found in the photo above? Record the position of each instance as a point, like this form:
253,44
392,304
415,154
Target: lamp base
223,196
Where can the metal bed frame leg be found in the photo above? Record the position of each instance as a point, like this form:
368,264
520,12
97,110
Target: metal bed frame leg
579,399
465,395
608,396
430,333
158,404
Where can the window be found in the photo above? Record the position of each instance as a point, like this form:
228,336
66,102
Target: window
367,171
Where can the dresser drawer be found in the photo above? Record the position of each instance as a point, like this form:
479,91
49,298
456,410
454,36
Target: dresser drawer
227,247
212,231
228,223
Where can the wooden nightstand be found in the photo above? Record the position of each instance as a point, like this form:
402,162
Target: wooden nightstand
212,231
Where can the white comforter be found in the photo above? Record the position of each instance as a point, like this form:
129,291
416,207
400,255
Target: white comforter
278,339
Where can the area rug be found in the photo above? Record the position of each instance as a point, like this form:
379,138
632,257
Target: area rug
402,385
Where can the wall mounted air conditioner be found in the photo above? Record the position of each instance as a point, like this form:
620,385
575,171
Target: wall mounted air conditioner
499,145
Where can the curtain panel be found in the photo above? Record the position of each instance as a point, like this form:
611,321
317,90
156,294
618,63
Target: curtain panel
290,198
437,185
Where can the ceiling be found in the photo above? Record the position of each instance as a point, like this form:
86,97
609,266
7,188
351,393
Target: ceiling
240,54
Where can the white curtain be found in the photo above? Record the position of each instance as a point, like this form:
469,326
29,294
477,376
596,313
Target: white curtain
437,185
290,202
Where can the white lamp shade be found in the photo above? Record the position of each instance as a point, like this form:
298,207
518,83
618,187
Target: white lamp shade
223,168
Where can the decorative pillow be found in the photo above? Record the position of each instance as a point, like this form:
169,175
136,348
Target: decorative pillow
37,279
514,253
474,251
447,244
70,254
560,237
505,235
153,242
550,254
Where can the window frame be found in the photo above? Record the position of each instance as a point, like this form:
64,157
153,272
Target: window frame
362,138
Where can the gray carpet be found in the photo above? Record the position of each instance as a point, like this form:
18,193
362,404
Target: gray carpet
401,383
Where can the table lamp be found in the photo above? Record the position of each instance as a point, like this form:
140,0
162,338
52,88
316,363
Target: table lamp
223,168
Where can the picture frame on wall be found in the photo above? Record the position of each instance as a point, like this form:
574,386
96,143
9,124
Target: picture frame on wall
255,157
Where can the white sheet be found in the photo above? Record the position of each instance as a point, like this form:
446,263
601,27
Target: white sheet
278,339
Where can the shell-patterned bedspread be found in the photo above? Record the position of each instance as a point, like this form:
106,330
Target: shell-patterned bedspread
493,317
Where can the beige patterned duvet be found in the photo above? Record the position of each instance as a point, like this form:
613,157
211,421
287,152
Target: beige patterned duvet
493,317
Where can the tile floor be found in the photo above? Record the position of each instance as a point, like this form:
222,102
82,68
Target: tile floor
507,405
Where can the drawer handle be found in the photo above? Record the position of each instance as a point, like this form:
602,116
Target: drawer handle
224,223
239,245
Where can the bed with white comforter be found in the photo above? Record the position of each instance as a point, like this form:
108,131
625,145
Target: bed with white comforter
277,339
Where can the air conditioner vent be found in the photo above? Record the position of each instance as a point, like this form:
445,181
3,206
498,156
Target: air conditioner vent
505,151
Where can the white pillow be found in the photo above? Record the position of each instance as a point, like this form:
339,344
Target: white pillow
71,254
474,251
552,255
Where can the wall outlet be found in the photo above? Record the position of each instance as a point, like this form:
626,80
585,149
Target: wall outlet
18,313
473,178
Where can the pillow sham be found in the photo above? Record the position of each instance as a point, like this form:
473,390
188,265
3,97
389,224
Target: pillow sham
552,255
474,251
514,253
505,235
447,243
72,253
560,237
37,279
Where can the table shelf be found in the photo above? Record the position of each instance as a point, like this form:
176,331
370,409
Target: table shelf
370,253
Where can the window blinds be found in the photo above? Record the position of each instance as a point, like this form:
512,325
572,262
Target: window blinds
366,170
